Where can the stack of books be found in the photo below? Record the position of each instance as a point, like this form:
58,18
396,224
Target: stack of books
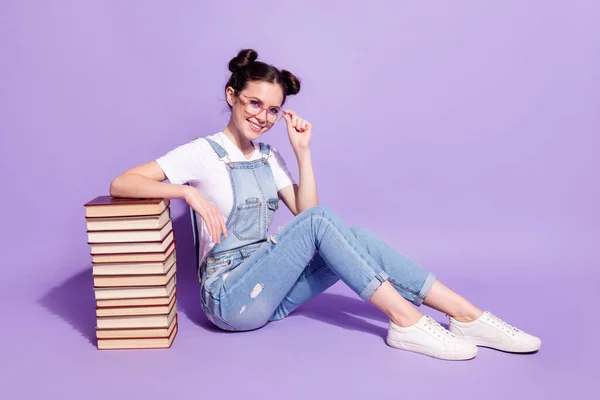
133,266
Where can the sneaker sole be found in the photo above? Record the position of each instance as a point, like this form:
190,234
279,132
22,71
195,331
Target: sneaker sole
528,348
442,355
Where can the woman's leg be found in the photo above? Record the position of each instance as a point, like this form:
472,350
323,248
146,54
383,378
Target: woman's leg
409,279
247,296
443,299
466,320
415,283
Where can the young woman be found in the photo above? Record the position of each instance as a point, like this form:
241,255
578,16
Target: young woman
249,278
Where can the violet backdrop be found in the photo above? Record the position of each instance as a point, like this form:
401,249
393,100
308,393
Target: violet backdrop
464,133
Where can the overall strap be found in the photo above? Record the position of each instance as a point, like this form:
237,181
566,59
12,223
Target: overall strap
265,149
219,150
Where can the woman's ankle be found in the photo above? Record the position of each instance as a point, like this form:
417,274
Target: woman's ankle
406,319
400,311
467,315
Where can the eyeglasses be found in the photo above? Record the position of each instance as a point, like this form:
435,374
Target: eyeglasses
254,107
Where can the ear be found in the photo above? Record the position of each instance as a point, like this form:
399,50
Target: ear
230,94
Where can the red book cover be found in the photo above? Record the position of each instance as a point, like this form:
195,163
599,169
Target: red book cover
119,201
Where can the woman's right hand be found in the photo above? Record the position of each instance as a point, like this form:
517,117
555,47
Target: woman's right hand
210,214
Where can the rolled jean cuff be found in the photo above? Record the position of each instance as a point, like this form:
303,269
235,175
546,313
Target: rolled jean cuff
373,285
424,289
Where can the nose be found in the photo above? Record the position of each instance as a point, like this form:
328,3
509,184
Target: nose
262,115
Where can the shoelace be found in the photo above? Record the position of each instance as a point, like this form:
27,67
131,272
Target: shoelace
438,330
502,324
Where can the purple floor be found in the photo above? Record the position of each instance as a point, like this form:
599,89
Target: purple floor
465,133
332,347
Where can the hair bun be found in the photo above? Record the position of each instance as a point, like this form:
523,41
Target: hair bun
291,82
242,60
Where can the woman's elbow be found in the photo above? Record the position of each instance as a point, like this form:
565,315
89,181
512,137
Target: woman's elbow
115,185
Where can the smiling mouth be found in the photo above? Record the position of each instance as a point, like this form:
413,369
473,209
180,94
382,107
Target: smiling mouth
255,127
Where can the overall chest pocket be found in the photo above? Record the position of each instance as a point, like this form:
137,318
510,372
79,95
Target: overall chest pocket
247,224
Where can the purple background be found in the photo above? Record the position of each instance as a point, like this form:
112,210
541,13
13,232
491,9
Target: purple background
465,133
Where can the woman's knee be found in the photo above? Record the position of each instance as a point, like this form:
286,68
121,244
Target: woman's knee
360,232
319,210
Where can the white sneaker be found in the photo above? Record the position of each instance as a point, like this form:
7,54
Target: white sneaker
430,338
490,331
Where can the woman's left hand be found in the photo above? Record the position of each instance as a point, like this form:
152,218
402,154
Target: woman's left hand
299,130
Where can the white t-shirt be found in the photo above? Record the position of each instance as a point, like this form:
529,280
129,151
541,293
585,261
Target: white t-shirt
197,164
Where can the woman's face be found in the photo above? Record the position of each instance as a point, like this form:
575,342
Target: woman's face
256,108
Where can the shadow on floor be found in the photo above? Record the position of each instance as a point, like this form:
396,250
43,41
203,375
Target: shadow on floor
73,299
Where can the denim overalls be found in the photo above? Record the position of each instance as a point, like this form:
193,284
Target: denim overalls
255,201
248,280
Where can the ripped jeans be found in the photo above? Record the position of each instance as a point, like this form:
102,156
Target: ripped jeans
243,289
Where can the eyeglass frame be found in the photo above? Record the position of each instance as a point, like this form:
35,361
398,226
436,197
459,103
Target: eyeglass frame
261,107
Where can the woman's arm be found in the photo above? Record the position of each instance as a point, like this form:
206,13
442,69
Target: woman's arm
304,195
146,180
307,196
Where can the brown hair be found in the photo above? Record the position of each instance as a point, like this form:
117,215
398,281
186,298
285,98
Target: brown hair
244,68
